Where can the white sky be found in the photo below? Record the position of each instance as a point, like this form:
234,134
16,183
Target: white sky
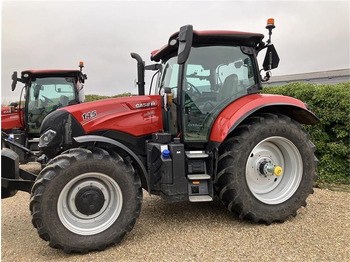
309,35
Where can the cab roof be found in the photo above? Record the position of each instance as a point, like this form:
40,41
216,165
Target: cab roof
217,37
50,73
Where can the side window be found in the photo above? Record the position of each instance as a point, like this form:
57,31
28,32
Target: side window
170,76
215,76
234,78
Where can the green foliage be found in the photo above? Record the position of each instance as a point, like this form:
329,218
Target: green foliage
331,104
89,98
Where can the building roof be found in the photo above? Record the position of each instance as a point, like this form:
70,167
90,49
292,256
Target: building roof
322,77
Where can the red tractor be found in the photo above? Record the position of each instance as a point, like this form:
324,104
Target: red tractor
44,92
208,131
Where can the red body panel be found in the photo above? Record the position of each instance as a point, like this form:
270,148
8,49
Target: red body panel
10,120
137,115
243,106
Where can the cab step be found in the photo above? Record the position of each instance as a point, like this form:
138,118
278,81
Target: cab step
198,177
203,198
196,154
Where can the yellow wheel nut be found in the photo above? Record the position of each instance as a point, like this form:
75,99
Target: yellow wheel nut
278,171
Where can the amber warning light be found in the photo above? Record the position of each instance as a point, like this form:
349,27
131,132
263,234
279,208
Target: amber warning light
81,65
270,23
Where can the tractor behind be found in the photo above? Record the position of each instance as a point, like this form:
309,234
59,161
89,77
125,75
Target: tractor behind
44,92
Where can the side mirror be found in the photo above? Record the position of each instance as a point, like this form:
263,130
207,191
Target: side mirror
185,43
167,96
14,81
271,60
37,91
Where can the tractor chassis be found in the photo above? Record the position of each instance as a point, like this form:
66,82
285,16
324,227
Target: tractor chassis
13,177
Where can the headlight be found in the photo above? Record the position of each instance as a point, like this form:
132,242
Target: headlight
46,138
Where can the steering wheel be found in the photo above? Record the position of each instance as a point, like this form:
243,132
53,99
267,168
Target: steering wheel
193,91
47,99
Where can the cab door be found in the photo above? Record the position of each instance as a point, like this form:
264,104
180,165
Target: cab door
213,78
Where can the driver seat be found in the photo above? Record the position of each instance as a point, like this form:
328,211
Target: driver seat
64,100
229,87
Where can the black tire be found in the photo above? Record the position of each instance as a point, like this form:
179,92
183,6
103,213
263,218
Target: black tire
246,182
85,199
9,165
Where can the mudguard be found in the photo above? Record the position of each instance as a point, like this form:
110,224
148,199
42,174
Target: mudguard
242,108
137,161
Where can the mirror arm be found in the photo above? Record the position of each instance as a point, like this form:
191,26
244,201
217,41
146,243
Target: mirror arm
260,47
153,67
266,77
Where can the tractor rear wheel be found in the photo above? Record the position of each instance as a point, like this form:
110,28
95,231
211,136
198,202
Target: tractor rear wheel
266,169
85,199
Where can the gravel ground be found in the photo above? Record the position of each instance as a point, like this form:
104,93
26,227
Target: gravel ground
198,232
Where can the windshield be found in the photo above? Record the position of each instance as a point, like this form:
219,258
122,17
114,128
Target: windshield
46,95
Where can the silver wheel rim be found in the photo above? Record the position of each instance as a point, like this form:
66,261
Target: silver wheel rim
270,188
83,224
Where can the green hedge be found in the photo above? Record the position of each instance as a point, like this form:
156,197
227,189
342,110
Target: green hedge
331,104
89,98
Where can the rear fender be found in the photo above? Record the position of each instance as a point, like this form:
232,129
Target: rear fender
246,106
110,143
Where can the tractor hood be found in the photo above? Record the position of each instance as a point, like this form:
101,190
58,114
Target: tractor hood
11,117
134,116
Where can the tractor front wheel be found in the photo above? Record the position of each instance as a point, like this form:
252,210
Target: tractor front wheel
85,199
266,169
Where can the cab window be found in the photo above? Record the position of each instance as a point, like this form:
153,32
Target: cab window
214,77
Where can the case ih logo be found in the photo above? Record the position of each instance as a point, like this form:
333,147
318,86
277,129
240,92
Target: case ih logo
143,105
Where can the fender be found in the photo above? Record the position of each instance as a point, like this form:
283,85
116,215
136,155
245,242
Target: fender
245,106
138,164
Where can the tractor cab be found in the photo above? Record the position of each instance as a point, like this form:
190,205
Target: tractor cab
213,76
44,91
204,72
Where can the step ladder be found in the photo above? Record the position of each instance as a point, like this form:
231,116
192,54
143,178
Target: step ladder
200,184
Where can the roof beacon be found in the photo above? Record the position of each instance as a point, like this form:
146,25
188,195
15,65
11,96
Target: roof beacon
270,25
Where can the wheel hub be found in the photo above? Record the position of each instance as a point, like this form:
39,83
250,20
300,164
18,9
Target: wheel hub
269,169
89,200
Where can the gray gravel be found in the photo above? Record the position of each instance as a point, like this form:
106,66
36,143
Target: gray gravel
198,232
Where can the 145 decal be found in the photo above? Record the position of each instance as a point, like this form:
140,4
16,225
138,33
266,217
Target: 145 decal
89,115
